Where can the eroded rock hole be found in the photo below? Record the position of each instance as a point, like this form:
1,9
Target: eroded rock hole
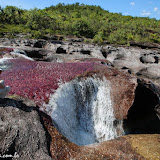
82,111
104,53
34,54
142,118
38,45
60,50
86,52
156,59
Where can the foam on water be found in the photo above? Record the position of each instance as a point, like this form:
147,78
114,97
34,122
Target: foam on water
21,55
82,111
4,63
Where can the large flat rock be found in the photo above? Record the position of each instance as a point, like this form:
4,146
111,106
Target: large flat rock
37,80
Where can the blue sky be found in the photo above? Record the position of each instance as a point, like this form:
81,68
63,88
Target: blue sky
142,8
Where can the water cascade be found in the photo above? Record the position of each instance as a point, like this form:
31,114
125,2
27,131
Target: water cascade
82,111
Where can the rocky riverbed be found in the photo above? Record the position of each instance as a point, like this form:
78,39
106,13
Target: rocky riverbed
71,100
141,61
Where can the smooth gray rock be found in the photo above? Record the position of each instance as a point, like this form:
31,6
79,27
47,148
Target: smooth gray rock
148,59
134,60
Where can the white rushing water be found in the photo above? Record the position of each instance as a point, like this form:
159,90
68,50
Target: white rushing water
4,63
20,54
82,111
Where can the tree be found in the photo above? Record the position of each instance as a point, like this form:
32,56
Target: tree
2,15
37,19
81,28
11,14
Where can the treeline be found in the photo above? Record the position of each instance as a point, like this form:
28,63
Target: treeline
79,20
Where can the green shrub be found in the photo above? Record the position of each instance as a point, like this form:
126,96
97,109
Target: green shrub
38,34
98,38
88,40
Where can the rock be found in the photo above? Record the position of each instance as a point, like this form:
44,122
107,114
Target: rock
19,51
142,116
131,147
152,72
61,50
146,145
33,136
120,83
39,43
148,59
35,48
97,53
77,39
21,132
82,98
22,42
141,62
156,90
135,59
157,109
96,60
85,51
36,53
8,53
93,82
127,147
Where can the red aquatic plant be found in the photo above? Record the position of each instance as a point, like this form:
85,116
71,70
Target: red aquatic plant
37,80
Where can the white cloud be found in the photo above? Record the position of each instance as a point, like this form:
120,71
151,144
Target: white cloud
132,3
155,9
126,13
145,13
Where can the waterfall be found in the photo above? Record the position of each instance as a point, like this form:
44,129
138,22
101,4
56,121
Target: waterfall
82,111
4,64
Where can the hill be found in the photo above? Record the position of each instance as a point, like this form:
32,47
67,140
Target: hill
78,20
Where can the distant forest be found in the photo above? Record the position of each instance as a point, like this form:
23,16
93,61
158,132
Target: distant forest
80,20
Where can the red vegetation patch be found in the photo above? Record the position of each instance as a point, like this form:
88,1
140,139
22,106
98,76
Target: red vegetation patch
36,80
5,50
